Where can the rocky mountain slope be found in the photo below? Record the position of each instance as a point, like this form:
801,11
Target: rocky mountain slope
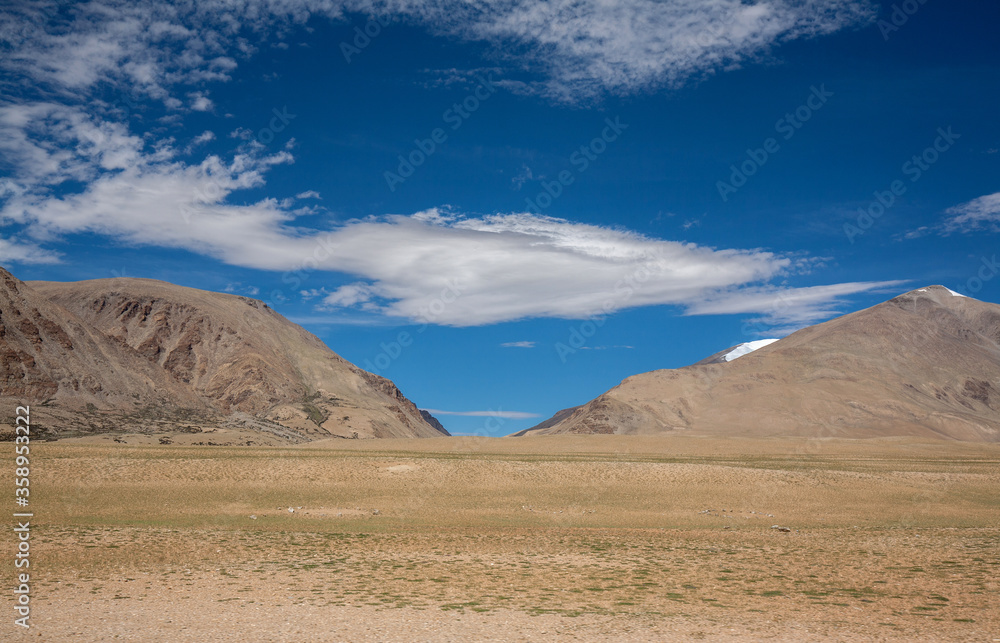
77,378
219,355
926,363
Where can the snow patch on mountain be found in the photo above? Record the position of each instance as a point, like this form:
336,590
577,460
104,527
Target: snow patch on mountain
746,349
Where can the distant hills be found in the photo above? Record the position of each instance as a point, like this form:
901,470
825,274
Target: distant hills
115,355
144,356
924,364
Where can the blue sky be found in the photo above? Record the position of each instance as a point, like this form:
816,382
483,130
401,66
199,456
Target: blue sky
507,210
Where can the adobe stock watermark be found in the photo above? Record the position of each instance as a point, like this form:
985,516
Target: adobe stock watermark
495,419
786,127
899,16
393,350
988,270
276,125
213,191
324,249
914,169
455,116
492,423
580,334
22,473
580,160
363,36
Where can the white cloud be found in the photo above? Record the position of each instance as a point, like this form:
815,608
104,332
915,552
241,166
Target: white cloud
587,47
518,344
14,251
448,270
357,294
577,48
783,310
132,193
522,177
204,137
434,266
979,214
313,293
461,271
239,288
48,143
241,133
509,415
922,231
200,102
146,46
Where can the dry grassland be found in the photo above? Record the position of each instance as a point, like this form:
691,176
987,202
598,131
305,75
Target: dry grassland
576,538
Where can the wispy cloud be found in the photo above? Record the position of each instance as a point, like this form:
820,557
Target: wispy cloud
140,190
238,288
978,215
507,415
43,144
456,267
576,49
783,310
20,252
200,102
975,216
519,344
587,47
204,137
522,177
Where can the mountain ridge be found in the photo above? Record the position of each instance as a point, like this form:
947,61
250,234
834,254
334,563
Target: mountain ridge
222,355
924,363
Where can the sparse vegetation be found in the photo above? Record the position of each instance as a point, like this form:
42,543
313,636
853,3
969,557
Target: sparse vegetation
316,416
587,530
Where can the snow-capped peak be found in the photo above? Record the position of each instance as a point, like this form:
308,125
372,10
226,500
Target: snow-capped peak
950,291
746,349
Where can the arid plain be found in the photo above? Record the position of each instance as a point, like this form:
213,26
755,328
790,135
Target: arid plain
563,537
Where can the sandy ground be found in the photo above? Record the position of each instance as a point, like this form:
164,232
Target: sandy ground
454,540
85,620
166,621
574,587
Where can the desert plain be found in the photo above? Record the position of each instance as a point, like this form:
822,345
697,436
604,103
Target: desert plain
588,538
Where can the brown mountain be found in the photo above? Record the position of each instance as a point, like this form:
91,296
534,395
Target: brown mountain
926,363
75,377
433,421
222,355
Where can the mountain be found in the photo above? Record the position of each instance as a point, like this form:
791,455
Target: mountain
926,364
213,356
735,352
555,420
75,378
434,422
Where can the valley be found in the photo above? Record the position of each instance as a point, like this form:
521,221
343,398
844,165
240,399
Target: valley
590,537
